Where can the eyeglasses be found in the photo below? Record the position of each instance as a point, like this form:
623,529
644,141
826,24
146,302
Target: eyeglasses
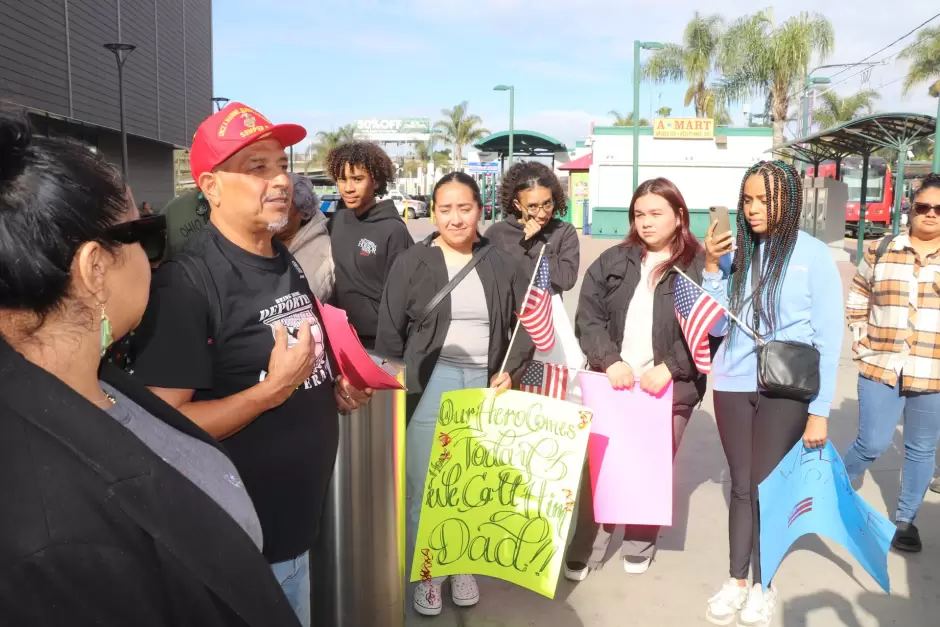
534,210
922,208
149,232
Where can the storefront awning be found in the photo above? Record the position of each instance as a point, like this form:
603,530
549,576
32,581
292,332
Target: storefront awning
580,164
524,144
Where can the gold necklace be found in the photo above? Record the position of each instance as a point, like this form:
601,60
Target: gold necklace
109,401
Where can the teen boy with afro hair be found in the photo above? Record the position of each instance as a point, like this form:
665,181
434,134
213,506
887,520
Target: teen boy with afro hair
367,236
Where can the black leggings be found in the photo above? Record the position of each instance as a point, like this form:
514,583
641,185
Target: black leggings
757,431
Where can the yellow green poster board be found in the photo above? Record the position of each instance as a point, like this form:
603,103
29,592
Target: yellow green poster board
502,482
580,192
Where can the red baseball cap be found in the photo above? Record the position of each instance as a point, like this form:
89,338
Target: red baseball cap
235,127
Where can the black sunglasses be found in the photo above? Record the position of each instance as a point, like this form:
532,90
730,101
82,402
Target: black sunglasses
922,208
149,232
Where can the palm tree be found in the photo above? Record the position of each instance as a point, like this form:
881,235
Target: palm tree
423,151
692,61
759,58
924,57
627,120
458,129
325,142
664,112
835,110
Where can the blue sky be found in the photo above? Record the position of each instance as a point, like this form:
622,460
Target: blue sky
325,64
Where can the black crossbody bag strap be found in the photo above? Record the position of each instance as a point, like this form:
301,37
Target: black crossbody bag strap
755,283
447,289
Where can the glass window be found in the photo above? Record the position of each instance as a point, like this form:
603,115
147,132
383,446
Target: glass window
876,186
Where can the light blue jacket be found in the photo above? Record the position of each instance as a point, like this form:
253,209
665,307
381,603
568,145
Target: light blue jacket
810,311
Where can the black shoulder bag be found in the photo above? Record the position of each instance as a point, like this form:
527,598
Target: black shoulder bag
787,369
454,282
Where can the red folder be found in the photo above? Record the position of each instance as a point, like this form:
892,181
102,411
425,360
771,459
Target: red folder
359,367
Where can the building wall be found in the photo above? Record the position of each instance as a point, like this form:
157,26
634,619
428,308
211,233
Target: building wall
707,172
52,62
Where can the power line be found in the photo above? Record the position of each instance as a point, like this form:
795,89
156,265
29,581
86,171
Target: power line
902,37
883,61
847,79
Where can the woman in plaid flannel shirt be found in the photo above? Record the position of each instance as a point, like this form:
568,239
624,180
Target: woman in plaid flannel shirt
894,312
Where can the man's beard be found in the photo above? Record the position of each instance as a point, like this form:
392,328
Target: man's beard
278,225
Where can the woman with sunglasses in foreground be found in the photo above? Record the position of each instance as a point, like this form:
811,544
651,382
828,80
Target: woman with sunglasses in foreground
894,313
116,509
534,201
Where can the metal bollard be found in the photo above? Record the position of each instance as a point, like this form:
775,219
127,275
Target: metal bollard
358,575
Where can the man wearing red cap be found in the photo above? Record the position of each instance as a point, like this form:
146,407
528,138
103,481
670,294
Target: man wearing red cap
232,338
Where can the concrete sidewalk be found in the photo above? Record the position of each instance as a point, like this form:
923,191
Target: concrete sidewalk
820,584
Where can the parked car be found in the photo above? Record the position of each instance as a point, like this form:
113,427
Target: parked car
329,203
404,202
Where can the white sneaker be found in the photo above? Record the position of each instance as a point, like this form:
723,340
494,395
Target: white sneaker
427,599
759,608
576,571
724,606
464,591
636,565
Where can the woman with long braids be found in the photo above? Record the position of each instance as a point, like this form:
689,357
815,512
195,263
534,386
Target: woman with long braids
794,297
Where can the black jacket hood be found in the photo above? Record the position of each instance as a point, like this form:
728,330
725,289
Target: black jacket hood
382,210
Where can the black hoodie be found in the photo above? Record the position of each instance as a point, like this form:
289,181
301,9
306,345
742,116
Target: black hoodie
563,252
364,249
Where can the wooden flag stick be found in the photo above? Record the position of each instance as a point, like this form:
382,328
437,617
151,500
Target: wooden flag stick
512,340
746,328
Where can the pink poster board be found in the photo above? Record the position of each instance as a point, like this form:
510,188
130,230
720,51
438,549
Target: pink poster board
629,453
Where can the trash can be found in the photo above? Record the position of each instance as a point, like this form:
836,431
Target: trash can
357,575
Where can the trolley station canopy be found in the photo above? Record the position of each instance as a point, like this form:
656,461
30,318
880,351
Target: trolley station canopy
524,144
895,131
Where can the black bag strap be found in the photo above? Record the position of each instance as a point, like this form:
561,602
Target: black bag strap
755,283
196,266
454,282
882,248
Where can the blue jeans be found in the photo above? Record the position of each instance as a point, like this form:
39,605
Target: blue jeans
879,410
421,427
294,579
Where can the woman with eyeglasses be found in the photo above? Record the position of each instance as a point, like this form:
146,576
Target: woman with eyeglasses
893,310
116,509
534,201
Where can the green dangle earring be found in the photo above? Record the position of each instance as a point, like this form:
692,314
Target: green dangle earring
106,336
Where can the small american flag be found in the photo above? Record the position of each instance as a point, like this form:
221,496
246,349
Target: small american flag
536,314
546,379
697,313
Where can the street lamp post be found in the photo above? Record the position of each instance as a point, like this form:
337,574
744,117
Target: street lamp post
637,46
512,106
810,82
220,102
936,136
121,52
512,114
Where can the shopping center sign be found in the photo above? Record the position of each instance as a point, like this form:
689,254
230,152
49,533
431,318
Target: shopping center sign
393,129
683,128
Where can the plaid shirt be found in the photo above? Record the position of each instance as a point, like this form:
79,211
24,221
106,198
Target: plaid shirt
894,312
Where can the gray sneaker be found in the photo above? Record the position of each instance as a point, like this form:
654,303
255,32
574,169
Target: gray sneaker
935,485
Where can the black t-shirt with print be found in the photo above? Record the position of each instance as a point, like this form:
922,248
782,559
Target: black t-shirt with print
286,455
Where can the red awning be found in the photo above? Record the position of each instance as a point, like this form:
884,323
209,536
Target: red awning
581,163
